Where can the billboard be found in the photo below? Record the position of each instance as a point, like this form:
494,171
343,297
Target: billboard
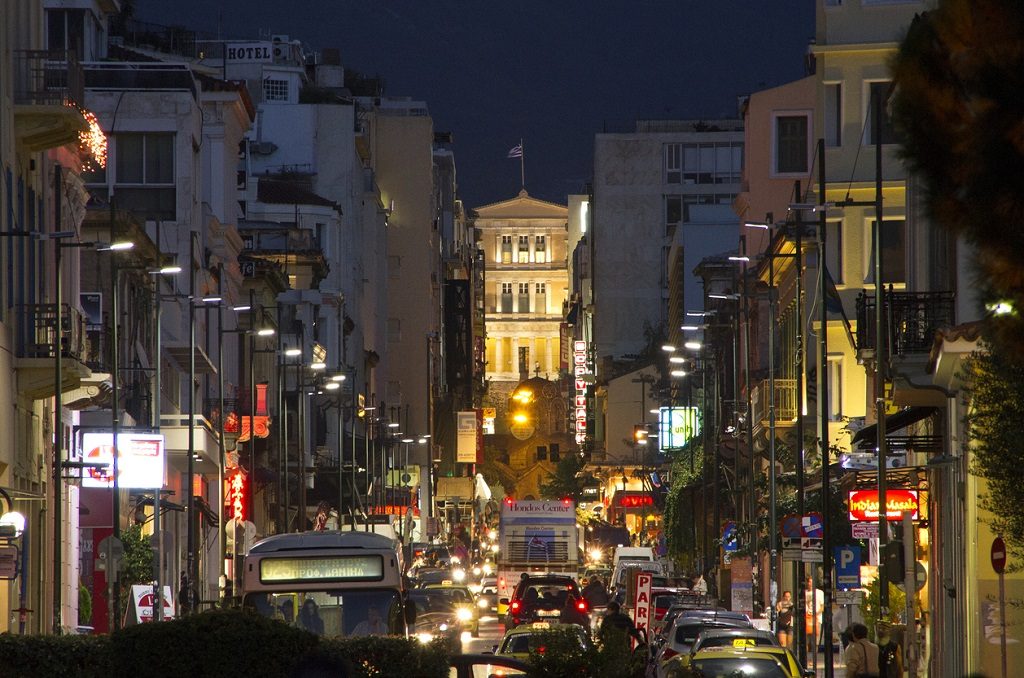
677,426
864,504
140,460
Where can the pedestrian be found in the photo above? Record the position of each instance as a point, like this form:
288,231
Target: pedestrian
572,614
615,621
323,512
814,605
784,618
890,654
861,656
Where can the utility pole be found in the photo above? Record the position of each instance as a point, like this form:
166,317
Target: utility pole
880,365
799,452
826,489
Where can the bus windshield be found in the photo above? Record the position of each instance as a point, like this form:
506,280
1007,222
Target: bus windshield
333,612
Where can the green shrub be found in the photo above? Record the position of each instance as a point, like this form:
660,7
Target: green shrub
54,656
562,656
382,657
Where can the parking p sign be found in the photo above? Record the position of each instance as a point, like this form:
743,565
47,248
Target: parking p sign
847,566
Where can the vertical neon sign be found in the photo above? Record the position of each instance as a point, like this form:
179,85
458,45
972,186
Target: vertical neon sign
580,370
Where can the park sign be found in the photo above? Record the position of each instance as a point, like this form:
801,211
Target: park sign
864,505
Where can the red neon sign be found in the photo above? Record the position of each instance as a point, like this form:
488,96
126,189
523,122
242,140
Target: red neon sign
864,504
236,494
635,500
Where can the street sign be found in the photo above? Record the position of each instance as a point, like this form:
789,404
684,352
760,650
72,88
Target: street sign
862,530
813,526
920,578
849,597
812,555
791,526
642,609
792,554
998,555
729,541
847,560
8,561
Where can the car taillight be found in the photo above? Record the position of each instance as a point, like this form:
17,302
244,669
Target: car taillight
581,605
514,606
668,654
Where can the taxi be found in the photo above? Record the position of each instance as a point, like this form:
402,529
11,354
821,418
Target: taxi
518,642
747,660
466,609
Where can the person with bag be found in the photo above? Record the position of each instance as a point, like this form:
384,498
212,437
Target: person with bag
890,654
784,618
861,656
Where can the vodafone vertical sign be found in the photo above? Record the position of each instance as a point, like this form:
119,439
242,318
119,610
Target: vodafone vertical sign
580,370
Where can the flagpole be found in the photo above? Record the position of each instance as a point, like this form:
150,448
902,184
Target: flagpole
522,165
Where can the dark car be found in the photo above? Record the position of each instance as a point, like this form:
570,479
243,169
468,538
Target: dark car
540,598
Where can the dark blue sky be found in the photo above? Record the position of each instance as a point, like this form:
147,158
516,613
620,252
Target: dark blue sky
552,72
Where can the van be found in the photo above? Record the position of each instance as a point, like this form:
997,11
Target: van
642,553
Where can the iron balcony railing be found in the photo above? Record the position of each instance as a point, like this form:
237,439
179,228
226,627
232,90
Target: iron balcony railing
48,78
785,400
37,335
909,319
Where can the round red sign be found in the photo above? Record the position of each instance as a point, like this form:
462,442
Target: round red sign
998,555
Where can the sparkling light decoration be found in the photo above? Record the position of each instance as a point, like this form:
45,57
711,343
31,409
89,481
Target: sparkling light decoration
93,143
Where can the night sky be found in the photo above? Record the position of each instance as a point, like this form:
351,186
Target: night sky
552,72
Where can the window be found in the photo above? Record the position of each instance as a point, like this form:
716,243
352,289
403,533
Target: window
275,90
506,249
712,163
506,298
833,114
893,243
539,248
541,303
144,174
791,144
673,163
394,330
876,91
835,387
524,298
65,30
524,249
554,453
542,453
673,213
704,199
834,251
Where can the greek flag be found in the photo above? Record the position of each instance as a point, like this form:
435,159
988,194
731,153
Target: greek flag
516,151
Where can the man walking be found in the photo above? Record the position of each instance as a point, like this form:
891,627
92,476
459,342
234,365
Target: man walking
861,656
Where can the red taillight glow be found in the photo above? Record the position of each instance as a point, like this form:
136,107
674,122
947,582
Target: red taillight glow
581,605
514,606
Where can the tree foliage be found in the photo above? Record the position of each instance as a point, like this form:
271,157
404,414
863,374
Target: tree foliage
996,428
959,74
564,482
138,560
687,471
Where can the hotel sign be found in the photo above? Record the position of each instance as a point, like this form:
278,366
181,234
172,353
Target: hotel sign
864,504
580,370
249,52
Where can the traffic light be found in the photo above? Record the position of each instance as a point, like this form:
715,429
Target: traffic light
640,434
893,562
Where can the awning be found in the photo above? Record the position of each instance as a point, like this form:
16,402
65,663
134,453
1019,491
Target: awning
900,420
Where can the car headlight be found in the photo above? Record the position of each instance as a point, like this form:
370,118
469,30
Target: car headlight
425,637
477,571
459,574
463,614
456,559
487,568
482,603
442,626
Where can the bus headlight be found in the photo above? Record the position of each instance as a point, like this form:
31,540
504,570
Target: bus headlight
463,614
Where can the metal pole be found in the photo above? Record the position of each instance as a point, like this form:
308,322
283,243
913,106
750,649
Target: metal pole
222,532
773,519
192,577
252,419
112,569
880,365
799,452
826,459
158,589
355,467
58,419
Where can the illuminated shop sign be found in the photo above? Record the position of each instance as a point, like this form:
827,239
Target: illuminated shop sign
864,504
140,460
634,500
677,426
238,489
580,371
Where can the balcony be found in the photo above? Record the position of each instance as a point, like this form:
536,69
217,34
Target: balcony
49,89
911,320
785,401
36,345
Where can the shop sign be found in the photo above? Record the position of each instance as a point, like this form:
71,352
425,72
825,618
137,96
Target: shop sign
864,504
634,500
237,490
140,460
581,370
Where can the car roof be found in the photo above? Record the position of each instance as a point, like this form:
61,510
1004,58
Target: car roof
703,613
737,631
539,627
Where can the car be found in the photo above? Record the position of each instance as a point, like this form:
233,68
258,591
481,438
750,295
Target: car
462,600
519,642
679,639
432,575
487,599
753,661
436,616
540,598
723,637
485,665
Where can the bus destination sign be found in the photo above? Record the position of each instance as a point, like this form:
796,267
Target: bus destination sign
321,568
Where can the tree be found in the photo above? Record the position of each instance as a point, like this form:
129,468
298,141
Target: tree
996,429
959,74
564,481
138,560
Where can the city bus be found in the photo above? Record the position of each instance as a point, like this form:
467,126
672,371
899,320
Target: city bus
334,584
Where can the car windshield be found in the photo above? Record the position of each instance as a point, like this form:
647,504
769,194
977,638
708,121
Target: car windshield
431,600
736,667
547,596
455,596
333,613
